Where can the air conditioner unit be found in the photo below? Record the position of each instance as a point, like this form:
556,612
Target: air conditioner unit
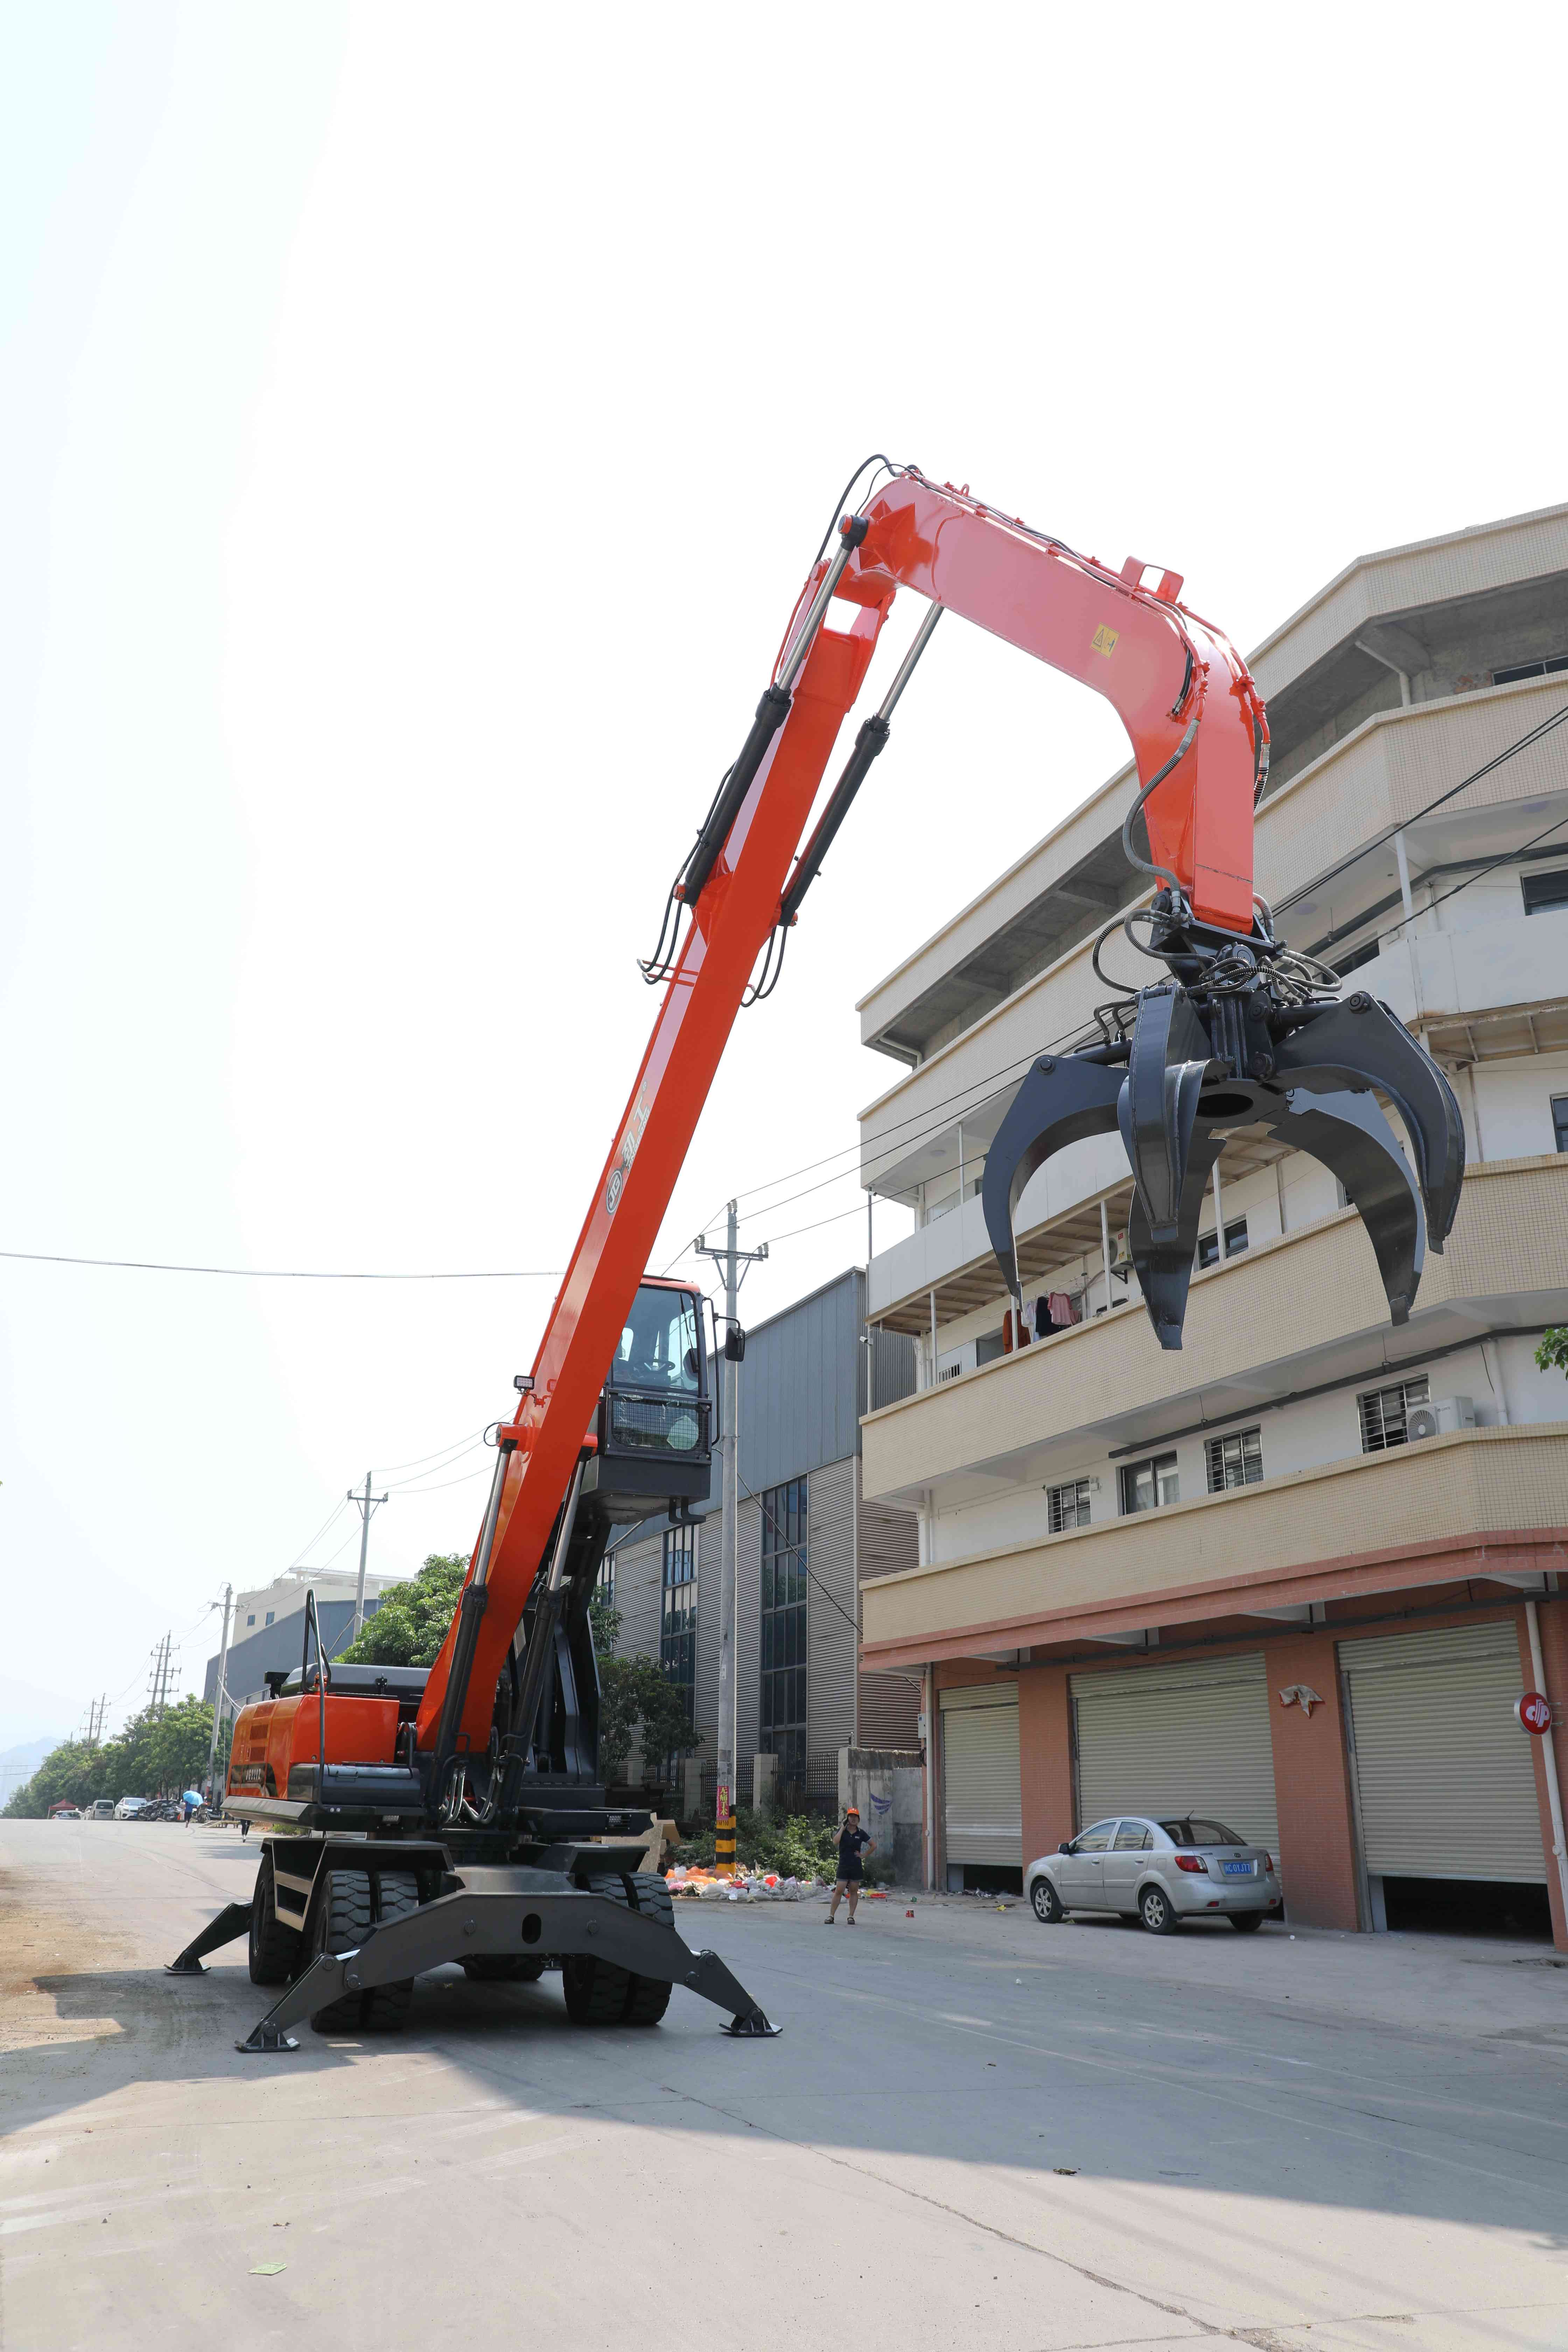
1437,1419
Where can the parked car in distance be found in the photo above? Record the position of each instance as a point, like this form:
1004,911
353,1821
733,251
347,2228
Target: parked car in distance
1160,1870
101,1810
129,1806
65,1813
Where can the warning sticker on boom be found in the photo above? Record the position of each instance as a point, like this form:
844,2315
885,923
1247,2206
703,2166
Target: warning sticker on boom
1104,640
631,1136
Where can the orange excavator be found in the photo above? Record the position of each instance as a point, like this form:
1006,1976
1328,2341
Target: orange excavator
459,1814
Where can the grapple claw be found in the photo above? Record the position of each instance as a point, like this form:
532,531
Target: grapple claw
1229,1043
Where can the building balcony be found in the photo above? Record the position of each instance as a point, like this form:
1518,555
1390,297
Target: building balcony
1416,1516
1302,1310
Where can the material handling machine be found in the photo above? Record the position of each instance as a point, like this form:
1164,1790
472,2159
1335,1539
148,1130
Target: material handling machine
457,1814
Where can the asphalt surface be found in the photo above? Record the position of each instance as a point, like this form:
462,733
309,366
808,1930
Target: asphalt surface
974,2131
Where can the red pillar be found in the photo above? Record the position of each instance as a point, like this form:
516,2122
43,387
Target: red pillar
1555,1657
1044,1760
1311,1783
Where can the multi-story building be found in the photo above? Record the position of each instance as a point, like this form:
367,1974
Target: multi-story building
1298,1573
254,1612
808,1537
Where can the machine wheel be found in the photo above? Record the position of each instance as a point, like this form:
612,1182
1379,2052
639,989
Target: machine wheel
340,1919
1245,1922
1158,1912
503,1968
1046,1903
599,1993
276,1952
395,1894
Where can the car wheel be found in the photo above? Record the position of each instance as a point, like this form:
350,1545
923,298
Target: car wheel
1157,1911
1045,1902
1246,1923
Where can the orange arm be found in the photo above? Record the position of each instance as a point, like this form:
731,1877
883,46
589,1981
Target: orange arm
1180,690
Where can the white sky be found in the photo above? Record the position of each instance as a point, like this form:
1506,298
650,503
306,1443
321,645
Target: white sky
413,427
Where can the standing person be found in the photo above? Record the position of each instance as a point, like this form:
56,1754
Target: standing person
852,1841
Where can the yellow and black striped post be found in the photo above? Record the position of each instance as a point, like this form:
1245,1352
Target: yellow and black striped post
724,1838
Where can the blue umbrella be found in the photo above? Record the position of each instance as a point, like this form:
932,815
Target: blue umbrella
193,1796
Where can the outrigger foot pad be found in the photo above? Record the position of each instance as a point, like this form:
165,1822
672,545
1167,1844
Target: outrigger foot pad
753,2027
265,2036
186,1966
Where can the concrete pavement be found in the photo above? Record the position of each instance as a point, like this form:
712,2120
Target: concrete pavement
975,2130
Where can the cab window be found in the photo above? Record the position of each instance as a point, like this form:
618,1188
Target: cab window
658,1347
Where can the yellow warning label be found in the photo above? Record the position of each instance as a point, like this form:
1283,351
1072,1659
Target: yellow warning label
1104,640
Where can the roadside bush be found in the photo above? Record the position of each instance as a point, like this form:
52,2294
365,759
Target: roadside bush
799,1847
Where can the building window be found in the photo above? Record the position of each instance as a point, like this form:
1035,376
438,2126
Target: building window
785,1543
1235,1242
270,1615
604,1582
1547,668
251,1618
1150,1485
1068,1506
1545,894
988,1347
1560,1120
1384,1413
1236,1460
1353,958
678,1614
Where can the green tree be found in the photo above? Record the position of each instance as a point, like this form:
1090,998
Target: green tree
411,1623
178,1743
634,1691
1552,1355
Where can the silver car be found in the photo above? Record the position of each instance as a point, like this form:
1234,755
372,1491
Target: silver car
1166,1870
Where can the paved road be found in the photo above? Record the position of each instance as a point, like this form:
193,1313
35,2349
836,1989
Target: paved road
975,2132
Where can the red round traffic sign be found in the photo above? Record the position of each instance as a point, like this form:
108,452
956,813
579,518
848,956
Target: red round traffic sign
1534,1712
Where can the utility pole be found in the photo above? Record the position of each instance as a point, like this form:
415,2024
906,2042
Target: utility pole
366,1503
161,1675
735,1263
220,1695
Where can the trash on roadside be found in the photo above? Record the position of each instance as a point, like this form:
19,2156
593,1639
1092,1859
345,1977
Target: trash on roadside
1067,2170
267,2269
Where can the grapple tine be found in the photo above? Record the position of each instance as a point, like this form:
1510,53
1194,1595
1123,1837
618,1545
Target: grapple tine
1165,1079
1359,1044
1349,1134
1164,1268
1061,1100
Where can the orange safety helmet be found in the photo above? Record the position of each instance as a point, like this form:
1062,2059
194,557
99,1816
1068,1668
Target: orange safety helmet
851,1809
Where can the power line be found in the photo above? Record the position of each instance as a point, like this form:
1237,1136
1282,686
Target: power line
288,1274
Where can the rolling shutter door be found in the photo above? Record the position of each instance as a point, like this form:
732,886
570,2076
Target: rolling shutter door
982,1814
1443,1774
1179,1739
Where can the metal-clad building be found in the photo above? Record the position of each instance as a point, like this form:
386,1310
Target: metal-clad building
802,1390
271,1647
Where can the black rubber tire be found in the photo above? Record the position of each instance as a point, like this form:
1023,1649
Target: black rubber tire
340,1920
1158,1912
503,1968
599,1993
1046,1903
277,1953
1245,1922
394,1894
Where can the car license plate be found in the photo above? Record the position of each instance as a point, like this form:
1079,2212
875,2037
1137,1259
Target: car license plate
1240,1869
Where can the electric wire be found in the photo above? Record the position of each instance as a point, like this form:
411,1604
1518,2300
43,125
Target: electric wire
290,1273
1525,743
384,1469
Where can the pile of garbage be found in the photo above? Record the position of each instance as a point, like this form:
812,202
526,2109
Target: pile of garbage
697,1885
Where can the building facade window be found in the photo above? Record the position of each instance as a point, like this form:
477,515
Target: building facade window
1545,894
1236,1460
1384,1412
251,1618
1547,668
1235,1242
270,1615
785,1550
678,1614
1560,1120
1150,1485
604,1582
1067,1506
